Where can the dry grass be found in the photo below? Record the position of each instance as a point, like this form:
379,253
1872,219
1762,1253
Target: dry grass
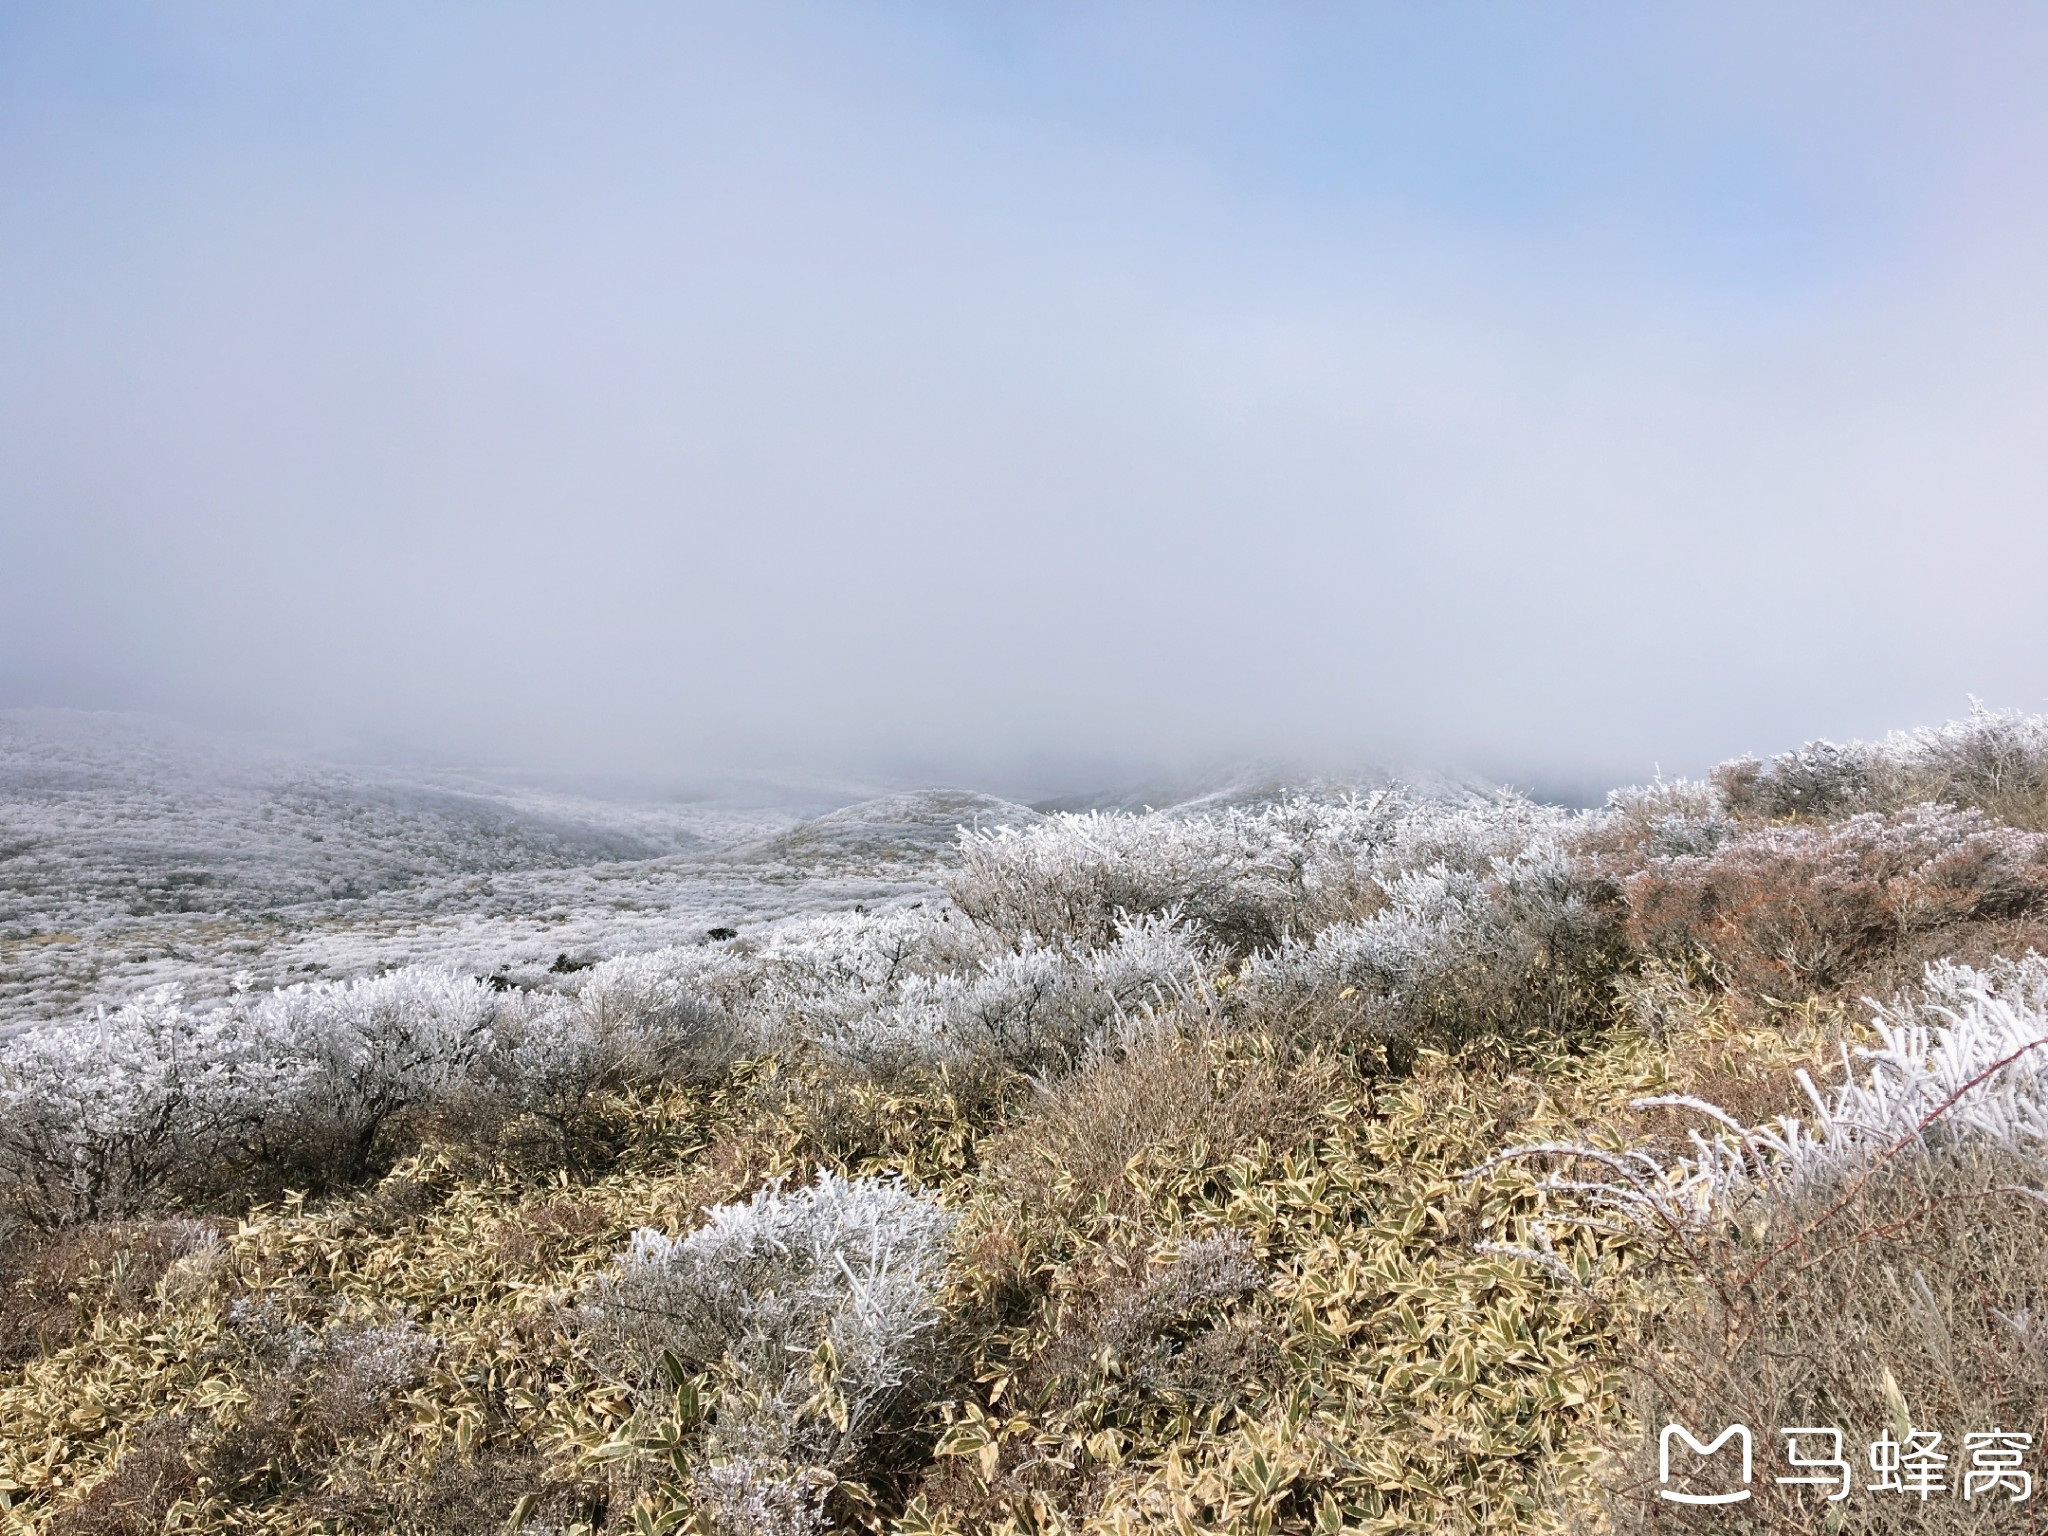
1216,1283
1173,1096
137,1497
1255,1300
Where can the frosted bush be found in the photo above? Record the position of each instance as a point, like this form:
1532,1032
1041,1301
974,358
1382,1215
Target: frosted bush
1454,952
546,1059
1364,977
659,1015
1468,834
1016,1007
1994,761
661,991
880,988
1028,1007
926,985
102,1117
1066,879
362,1051
815,1310
812,975
1820,779
1152,963
1244,878
750,1495
1376,915
98,1118
360,1367
1670,819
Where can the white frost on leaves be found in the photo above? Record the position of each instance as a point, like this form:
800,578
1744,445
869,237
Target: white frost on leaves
815,1312
1966,1064
1458,938
358,1052
96,1118
1247,878
1029,1006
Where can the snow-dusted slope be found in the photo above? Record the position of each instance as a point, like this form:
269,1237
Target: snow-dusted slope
135,852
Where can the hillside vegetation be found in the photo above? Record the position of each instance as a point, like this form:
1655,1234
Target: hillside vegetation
1377,1163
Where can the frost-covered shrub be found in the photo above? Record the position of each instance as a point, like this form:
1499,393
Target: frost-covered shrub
1206,1273
754,1495
360,1052
1378,915
156,1098
816,1313
884,990
1994,761
1820,780
1672,818
651,1017
1967,1064
1468,834
812,976
1065,880
1790,909
353,1372
1027,1007
545,1061
1243,878
1530,941
100,1118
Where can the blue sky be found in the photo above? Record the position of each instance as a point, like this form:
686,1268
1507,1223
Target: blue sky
967,390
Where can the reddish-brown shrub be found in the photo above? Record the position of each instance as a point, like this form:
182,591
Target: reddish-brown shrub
1788,911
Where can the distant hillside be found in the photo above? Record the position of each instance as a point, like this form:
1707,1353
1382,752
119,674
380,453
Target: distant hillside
134,851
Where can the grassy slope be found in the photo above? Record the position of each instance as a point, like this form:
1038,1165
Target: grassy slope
1386,1376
